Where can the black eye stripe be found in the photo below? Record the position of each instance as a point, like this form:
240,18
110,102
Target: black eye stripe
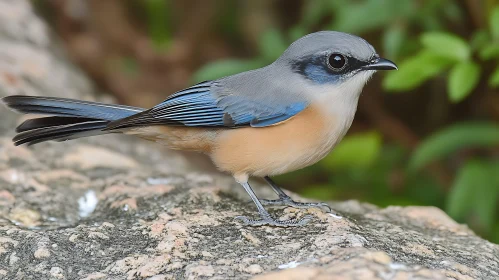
322,61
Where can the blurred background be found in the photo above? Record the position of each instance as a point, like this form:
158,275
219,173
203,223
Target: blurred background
424,135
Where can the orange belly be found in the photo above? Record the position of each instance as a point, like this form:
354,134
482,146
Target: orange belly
291,145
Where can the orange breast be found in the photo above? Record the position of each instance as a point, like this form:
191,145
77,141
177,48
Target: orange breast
293,144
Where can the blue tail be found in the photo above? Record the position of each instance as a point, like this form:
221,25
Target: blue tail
67,118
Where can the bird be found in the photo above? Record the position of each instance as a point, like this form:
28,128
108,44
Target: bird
260,123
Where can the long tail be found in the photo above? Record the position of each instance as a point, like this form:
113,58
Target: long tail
67,118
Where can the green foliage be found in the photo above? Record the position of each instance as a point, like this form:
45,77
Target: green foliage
494,23
475,190
359,150
158,23
351,17
446,45
393,40
490,51
463,78
494,78
272,44
416,70
465,74
454,138
440,51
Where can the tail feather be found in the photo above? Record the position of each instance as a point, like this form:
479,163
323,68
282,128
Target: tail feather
48,122
59,133
67,118
68,107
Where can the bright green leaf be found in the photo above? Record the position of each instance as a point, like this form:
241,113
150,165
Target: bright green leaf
494,78
272,44
446,45
415,70
452,139
223,68
463,78
494,22
355,151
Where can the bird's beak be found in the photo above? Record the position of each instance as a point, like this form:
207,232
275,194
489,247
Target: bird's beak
381,64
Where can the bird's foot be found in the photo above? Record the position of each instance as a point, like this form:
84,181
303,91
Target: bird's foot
269,221
287,201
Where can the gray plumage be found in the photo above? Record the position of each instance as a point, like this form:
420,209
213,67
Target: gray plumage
259,91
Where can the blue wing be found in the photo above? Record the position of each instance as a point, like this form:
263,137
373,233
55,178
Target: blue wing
197,106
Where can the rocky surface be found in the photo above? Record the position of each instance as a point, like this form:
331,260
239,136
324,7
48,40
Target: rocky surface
114,207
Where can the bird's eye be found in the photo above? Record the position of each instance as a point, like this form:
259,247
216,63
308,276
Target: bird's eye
337,61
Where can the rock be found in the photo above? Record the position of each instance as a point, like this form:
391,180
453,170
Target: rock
142,213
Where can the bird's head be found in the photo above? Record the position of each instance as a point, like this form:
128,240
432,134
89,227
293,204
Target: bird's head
331,58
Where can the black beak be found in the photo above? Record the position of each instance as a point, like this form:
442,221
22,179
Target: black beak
381,64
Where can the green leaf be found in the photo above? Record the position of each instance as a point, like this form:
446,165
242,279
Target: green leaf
452,139
393,39
494,78
223,68
355,151
359,16
494,22
446,45
475,189
415,70
272,44
463,78
480,39
158,22
489,51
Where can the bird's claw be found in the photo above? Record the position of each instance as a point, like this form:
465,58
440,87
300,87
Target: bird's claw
269,221
291,203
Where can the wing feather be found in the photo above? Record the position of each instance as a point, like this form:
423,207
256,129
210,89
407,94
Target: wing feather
198,106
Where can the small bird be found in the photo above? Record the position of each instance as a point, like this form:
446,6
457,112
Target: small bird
264,122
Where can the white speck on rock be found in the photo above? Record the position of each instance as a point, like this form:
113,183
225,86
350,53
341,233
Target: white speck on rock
42,253
336,216
292,264
160,181
87,204
397,266
254,269
56,272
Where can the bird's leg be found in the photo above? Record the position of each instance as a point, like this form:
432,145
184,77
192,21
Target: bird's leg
285,200
266,219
